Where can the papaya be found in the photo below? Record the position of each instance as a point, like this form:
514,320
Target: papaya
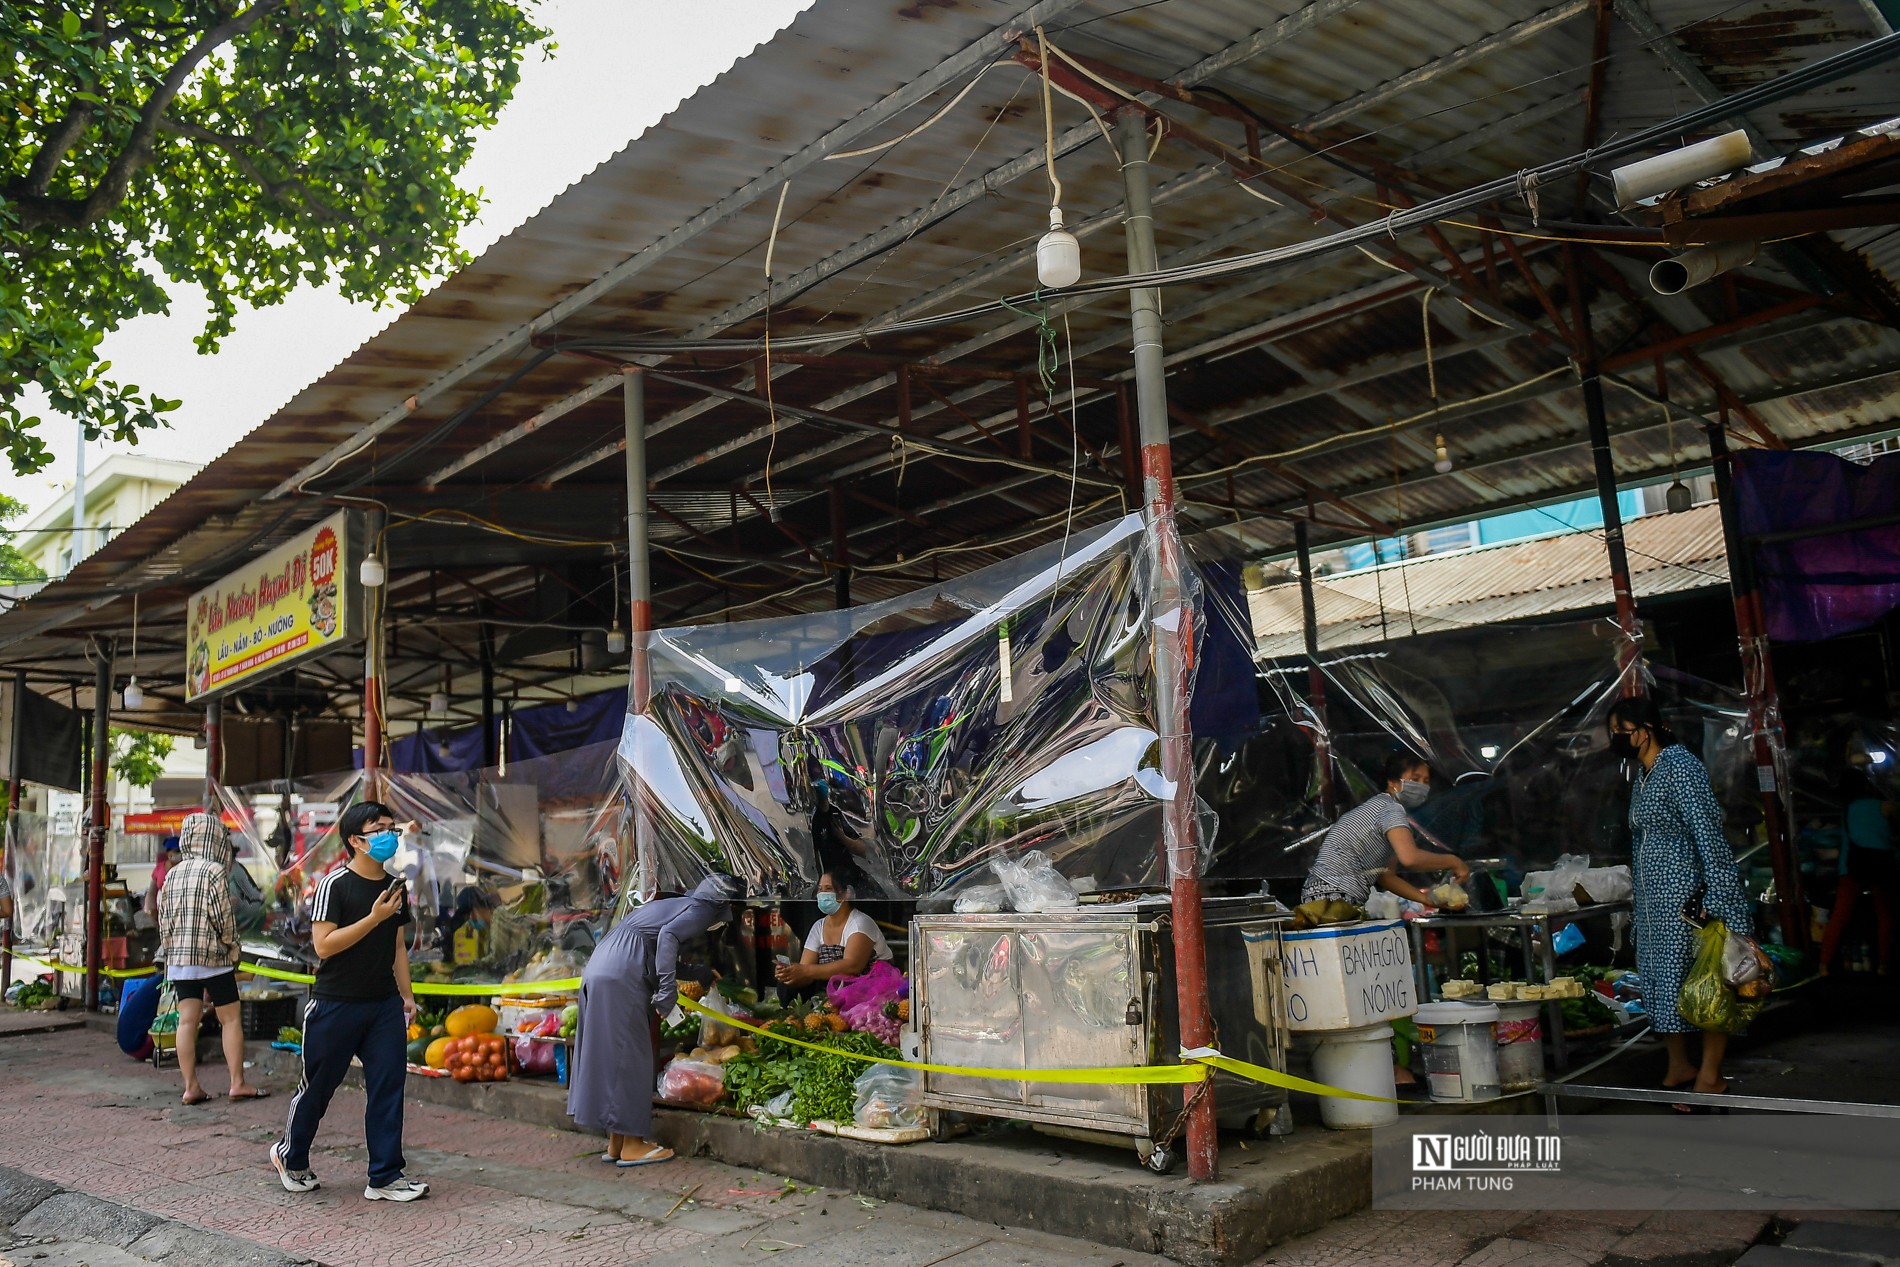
436,1055
473,1019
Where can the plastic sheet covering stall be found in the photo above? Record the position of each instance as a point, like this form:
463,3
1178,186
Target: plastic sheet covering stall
1511,718
40,859
973,720
524,862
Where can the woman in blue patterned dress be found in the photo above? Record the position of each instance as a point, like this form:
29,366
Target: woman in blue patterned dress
1677,847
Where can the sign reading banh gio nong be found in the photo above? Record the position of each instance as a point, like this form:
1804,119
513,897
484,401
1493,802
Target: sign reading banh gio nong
298,601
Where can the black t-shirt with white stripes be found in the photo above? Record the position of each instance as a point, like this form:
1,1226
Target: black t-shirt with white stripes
366,972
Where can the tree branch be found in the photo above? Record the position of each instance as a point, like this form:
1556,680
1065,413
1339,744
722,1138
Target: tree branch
37,211
65,134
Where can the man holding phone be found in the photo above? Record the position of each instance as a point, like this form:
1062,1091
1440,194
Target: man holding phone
360,1007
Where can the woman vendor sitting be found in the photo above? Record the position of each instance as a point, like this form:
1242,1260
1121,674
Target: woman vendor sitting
1376,840
844,943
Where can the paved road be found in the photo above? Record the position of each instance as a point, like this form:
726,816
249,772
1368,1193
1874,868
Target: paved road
75,1112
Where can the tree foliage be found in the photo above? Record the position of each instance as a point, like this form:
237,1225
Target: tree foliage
14,566
244,147
138,756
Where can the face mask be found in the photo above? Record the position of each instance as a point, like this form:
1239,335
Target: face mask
382,845
1624,747
828,903
1413,793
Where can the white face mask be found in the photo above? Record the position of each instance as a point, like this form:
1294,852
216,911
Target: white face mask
1413,793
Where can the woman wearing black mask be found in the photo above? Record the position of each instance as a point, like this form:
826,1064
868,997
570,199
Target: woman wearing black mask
1375,839
1677,848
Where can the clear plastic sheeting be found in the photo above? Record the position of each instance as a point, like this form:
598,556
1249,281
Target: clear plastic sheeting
40,861
513,874
920,738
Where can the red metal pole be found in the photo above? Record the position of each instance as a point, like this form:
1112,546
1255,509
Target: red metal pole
633,397
1764,702
96,820
214,756
1171,625
14,790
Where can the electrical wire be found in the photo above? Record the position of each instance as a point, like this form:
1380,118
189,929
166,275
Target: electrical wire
1049,128
950,105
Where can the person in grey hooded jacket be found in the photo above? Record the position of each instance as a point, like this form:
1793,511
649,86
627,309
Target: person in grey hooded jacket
626,987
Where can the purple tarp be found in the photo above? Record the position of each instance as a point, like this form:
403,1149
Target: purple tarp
1834,583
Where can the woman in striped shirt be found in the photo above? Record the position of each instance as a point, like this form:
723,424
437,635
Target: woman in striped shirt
1375,839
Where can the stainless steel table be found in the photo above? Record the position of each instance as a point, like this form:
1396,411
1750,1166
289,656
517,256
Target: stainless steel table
1537,952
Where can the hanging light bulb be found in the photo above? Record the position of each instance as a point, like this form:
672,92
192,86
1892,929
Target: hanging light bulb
573,705
201,740
371,571
134,695
438,704
616,640
1441,456
1058,255
1679,499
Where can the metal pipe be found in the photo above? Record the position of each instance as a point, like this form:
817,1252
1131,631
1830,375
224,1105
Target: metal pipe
1604,461
97,821
633,399
1171,617
1764,703
487,634
840,550
372,675
81,546
1315,676
14,789
214,755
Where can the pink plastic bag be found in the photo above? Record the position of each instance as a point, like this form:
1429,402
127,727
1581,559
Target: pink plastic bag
882,983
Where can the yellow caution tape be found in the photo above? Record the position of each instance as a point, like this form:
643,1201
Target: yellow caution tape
1114,1076
117,974
1195,1068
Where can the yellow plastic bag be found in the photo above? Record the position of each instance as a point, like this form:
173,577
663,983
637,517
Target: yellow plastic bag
1707,1000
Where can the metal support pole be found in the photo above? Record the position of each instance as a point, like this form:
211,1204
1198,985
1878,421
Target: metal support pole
489,754
214,755
1764,703
1315,676
1604,459
97,821
840,551
1171,618
14,790
633,396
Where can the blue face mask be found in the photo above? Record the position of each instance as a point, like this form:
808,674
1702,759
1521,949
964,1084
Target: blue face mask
382,845
828,903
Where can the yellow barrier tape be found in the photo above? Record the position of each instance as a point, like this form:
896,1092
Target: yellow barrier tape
462,989
1114,1076
1273,1077
117,974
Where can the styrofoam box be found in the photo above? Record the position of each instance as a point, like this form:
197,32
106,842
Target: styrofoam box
1348,975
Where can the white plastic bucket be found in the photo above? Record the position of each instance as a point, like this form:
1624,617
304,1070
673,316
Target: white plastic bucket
1520,1046
1461,1051
1356,1060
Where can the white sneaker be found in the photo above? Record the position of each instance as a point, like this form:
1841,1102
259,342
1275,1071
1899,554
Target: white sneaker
397,1190
293,1180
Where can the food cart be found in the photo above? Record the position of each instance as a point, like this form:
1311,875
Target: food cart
128,942
1090,988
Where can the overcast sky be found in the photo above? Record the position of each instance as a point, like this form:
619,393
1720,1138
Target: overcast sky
621,65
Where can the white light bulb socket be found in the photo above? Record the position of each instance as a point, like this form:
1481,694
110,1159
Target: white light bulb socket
1058,255
616,641
134,694
371,572
1441,457
439,704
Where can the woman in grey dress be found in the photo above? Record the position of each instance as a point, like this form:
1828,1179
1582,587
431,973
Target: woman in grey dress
626,986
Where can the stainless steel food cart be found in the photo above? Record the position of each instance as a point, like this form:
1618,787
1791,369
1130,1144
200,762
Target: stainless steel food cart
1094,988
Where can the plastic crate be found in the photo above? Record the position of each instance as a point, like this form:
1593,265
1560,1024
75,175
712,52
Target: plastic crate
262,1018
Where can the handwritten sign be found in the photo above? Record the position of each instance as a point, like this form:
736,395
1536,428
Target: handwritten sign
1347,976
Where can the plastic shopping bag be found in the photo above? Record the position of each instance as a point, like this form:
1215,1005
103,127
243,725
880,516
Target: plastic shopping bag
1034,885
1707,1000
889,1098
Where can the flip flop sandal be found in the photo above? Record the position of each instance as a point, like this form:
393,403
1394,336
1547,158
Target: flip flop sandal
201,1098
257,1094
648,1159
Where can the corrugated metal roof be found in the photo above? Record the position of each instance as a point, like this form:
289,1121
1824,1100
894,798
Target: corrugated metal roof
668,237
1491,585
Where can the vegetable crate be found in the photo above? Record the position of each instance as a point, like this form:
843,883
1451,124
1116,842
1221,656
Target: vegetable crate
262,1018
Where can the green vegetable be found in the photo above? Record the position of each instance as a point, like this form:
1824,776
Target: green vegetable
33,995
756,1077
827,1083
290,1034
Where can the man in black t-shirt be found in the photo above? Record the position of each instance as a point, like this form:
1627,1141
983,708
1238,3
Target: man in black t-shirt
360,1007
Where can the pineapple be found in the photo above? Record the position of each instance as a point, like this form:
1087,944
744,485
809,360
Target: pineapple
692,990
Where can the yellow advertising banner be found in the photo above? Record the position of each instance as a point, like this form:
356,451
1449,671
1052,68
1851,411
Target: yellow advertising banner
298,601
